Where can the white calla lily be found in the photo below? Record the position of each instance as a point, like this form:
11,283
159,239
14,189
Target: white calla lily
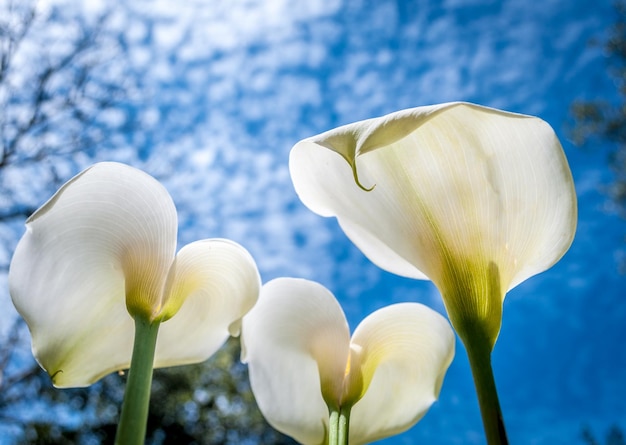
303,363
467,196
101,252
475,199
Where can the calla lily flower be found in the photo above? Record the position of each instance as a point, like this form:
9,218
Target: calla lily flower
304,365
100,253
475,199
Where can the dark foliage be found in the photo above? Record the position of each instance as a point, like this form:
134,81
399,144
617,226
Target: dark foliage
614,436
205,404
603,121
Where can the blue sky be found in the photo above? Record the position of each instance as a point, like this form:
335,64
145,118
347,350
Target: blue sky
234,85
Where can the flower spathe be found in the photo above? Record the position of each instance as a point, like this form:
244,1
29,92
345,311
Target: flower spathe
303,362
101,252
475,199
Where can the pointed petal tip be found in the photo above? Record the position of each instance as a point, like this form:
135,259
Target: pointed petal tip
429,198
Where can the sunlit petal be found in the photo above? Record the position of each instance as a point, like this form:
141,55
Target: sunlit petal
303,364
105,240
468,196
472,179
212,284
405,350
295,340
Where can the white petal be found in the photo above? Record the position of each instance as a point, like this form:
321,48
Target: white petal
295,337
452,180
212,284
109,231
405,350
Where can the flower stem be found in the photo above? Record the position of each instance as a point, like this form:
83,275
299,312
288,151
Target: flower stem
344,425
479,355
338,431
333,427
132,427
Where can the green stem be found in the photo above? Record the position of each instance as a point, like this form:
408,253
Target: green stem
333,428
344,425
339,426
132,427
479,355
473,295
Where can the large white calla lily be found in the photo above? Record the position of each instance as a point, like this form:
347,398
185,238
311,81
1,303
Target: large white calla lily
101,252
475,199
461,194
304,366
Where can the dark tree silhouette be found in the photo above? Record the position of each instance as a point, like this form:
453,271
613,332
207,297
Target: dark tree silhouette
614,436
206,404
604,122
59,98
